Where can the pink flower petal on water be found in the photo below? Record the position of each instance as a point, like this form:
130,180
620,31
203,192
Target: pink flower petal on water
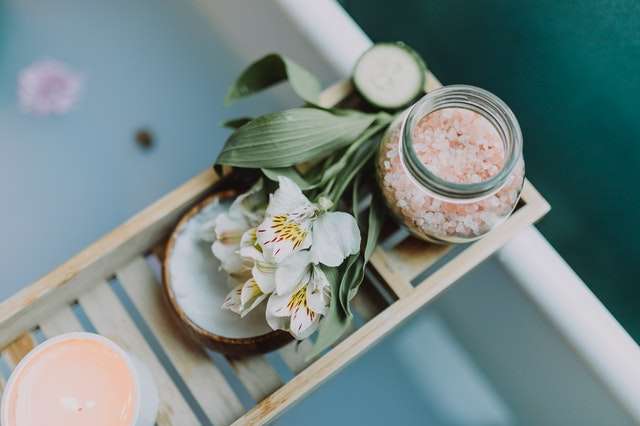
48,87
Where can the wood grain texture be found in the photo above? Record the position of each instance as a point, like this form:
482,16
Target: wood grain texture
393,274
112,321
19,348
204,380
14,352
100,260
401,264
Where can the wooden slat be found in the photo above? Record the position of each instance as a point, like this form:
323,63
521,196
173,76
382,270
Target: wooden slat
405,261
335,93
204,380
402,264
374,330
111,319
256,374
392,273
534,199
63,321
432,82
100,260
15,351
19,348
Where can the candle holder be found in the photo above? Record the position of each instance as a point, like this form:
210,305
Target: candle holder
18,401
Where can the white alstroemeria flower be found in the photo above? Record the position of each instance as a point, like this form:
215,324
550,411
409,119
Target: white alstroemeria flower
287,224
244,297
265,272
226,229
299,311
263,266
293,223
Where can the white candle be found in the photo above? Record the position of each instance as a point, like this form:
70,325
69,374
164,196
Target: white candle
79,379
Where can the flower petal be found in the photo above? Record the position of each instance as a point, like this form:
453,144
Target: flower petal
288,198
264,274
292,312
303,322
250,296
207,231
278,305
232,301
250,205
281,236
230,259
229,229
292,272
249,246
276,322
318,291
335,236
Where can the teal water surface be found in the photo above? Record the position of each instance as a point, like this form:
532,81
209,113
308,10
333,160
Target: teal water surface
67,180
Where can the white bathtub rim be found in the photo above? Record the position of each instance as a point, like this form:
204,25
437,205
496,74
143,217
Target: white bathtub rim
588,327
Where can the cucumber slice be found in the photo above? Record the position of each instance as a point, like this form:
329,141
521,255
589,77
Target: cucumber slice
390,75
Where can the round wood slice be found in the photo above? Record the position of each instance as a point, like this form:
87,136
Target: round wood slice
196,287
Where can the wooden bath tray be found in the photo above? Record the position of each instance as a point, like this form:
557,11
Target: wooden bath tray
113,288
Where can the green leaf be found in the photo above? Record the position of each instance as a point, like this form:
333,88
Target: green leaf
289,137
270,70
354,275
355,158
348,173
377,215
236,123
292,174
355,196
335,323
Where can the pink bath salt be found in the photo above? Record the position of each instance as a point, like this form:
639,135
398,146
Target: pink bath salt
459,146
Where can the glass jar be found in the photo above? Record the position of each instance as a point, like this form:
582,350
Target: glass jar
451,166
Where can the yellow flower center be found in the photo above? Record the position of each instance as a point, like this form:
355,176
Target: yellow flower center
299,300
288,230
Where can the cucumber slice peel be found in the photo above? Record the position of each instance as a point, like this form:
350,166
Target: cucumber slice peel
390,75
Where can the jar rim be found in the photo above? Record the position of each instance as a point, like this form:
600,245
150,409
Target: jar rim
480,101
